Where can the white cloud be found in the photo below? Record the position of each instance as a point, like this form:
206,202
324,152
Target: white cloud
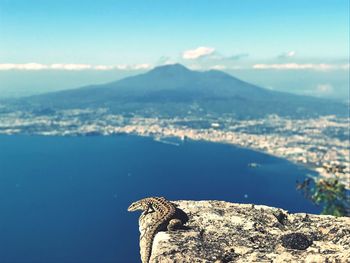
122,67
141,66
324,88
195,67
296,66
197,53
103,67
288,54
345,66
72,66
27,66
218,67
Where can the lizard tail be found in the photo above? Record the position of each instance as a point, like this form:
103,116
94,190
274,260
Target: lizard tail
147,243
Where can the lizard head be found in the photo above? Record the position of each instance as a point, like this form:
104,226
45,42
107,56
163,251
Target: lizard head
138,205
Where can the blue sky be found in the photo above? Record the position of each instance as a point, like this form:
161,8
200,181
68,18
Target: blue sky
135,35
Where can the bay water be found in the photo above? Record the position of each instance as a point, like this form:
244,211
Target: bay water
65,199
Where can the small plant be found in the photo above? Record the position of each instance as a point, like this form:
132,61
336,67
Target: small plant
329,193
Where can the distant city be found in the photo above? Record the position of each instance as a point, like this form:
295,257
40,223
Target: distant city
321,143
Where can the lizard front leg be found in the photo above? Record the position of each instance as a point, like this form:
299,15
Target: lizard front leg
149,209
174,224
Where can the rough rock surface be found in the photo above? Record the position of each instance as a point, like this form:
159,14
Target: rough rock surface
219,231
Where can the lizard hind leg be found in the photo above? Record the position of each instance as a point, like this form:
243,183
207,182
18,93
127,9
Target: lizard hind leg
174,224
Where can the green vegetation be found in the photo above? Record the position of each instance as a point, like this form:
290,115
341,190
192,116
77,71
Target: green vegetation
329,193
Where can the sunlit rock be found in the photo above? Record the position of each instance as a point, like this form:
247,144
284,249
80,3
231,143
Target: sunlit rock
226,232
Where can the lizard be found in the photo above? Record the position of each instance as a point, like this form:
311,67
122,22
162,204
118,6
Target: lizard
164,219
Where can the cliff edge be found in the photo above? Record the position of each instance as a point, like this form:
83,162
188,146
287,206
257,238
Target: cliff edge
218,231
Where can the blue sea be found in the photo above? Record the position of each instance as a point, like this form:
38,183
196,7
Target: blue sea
64,199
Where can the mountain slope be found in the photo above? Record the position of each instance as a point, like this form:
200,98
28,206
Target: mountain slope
174,90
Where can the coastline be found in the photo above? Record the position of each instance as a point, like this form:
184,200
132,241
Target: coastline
306,142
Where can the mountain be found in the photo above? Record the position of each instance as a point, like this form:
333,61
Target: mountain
174,90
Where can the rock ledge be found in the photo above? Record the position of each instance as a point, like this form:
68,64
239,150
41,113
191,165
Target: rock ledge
226,232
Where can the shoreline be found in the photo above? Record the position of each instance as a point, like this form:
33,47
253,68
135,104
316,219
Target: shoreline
319,144
162,139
